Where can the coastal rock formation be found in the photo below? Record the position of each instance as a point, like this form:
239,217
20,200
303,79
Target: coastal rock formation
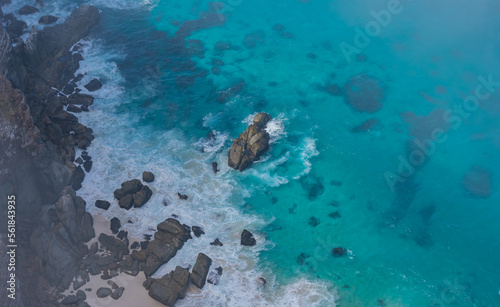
200,270
148,176
247,238
133,193
169,238
171,287
59,241
37,140
251,144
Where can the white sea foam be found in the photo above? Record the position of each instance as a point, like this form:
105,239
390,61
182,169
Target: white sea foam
122,152
308,150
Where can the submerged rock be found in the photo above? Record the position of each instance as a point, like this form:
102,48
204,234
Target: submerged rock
338,252
247,238
251,144
477,182
200,270
28,10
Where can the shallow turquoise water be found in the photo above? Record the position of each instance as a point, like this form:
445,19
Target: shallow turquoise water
321,186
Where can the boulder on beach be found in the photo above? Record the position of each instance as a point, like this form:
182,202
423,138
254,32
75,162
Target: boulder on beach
200,270
251,144
171,287
247,238
102,204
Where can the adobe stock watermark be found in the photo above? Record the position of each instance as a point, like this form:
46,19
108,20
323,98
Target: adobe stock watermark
363,37
454,117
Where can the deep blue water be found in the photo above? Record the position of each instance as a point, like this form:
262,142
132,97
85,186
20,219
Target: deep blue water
430,237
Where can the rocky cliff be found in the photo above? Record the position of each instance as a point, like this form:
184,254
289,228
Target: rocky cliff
37,141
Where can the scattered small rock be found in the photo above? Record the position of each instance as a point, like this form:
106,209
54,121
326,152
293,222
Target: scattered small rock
215,167
28,10
87,165
103,292
247,238
47,19
198,231
117,293
148,176
115,225
262,281
93,85
102,204
217,242
122,235
79,160
135,245
182,196
112,284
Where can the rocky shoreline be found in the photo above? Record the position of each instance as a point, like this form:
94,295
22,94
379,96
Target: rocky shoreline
40,134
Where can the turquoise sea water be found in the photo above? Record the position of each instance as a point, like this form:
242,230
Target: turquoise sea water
425,242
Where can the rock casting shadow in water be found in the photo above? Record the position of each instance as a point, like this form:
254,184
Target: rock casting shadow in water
313,186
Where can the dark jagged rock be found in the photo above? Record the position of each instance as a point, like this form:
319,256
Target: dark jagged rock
215,167
170,287
148,176
217,242
47,19
126,202
28,10
182,196
200,270
87,165
115,225
128,187
122,235
251,144
93,85
113,244
102,204
169,238
198,231
142,197
247,238
214,276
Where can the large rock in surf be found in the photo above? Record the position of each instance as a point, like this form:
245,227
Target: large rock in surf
247,238
169,238
171,287
251,144
200,270
133,193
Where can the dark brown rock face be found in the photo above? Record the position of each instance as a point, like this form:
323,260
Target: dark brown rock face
200,270
251,144
171,287
169,238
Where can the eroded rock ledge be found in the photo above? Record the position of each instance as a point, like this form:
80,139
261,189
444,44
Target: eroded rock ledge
251,144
